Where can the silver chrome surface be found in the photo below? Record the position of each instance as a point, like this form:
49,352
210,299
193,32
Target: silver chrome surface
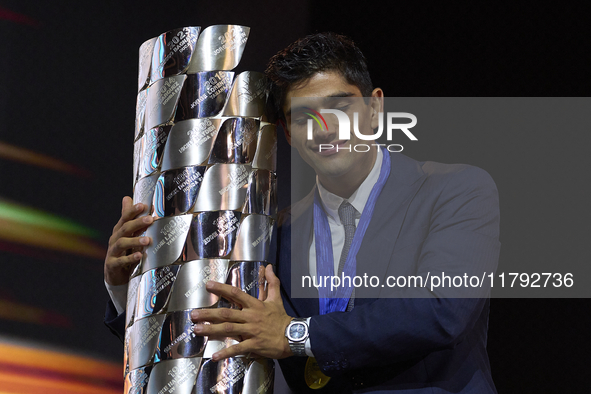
223,188
143,192
212,235
224,376
177,339
173,51
204,164
236,141
215,345
248,95
174,376
176,191
253,238
154,290
248,276
219,47
140,112
137,271
126,350
189,142
266,154
204,94
132,289
261,196
189,288
168,239
163,96
138,150
145,60
153,144
144,337
259,376
136,381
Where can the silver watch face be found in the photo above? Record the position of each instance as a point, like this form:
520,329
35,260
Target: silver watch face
297,331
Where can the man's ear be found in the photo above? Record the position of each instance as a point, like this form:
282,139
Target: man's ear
286,131
377,106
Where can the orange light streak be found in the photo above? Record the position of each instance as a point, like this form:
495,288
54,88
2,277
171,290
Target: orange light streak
25,313
51,360
40,371
50,239
27,156
27,384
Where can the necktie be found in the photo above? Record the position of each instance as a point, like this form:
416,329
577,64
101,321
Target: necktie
347,216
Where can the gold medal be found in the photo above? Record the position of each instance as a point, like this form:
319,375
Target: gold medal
315,379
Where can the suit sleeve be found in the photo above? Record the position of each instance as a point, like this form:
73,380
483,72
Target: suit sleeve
462,238
115,322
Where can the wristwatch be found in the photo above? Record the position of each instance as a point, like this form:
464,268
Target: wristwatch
296,334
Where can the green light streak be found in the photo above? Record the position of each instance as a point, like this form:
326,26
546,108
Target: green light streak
35,217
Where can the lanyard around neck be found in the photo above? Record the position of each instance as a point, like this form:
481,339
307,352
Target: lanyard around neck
337,300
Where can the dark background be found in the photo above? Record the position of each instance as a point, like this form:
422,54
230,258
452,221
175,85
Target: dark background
68,88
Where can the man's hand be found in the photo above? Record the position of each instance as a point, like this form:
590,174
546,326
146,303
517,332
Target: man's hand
260,324
121,258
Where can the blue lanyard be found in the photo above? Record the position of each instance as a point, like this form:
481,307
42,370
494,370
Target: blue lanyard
337,300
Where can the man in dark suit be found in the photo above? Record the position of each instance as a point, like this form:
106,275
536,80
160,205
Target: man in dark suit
428,219
374,213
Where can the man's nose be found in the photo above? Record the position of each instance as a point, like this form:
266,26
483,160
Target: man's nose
328,132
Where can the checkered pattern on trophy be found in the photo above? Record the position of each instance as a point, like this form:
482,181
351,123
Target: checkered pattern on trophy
204,164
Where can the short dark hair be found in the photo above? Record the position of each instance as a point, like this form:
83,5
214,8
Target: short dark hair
313,54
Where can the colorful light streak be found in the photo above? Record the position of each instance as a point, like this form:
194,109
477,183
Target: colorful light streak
27,370
29,226
28,314
26,215
22,155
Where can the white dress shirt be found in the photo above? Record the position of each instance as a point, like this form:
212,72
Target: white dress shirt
331,203
118,295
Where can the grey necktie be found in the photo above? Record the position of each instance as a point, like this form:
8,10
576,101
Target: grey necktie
347,216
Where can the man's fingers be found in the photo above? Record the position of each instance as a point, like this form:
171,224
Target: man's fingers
126,204
220,330
216,315
128,212
125,261
260,324
128,229
122,245
231,293
262,284
274,286
234,350
124,250
117,269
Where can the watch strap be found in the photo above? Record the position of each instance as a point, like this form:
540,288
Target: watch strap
298,348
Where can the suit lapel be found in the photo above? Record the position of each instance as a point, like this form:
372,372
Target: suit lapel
406,177
301,226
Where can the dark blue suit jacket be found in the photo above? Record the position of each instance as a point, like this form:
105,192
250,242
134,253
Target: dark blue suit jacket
429,218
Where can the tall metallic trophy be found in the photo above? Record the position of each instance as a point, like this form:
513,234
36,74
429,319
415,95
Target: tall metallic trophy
204,162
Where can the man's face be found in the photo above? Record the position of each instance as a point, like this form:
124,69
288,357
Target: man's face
331,91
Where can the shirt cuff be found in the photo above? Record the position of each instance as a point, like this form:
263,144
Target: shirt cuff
118,295
307,344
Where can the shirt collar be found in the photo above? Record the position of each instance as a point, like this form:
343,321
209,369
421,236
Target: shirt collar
358,199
